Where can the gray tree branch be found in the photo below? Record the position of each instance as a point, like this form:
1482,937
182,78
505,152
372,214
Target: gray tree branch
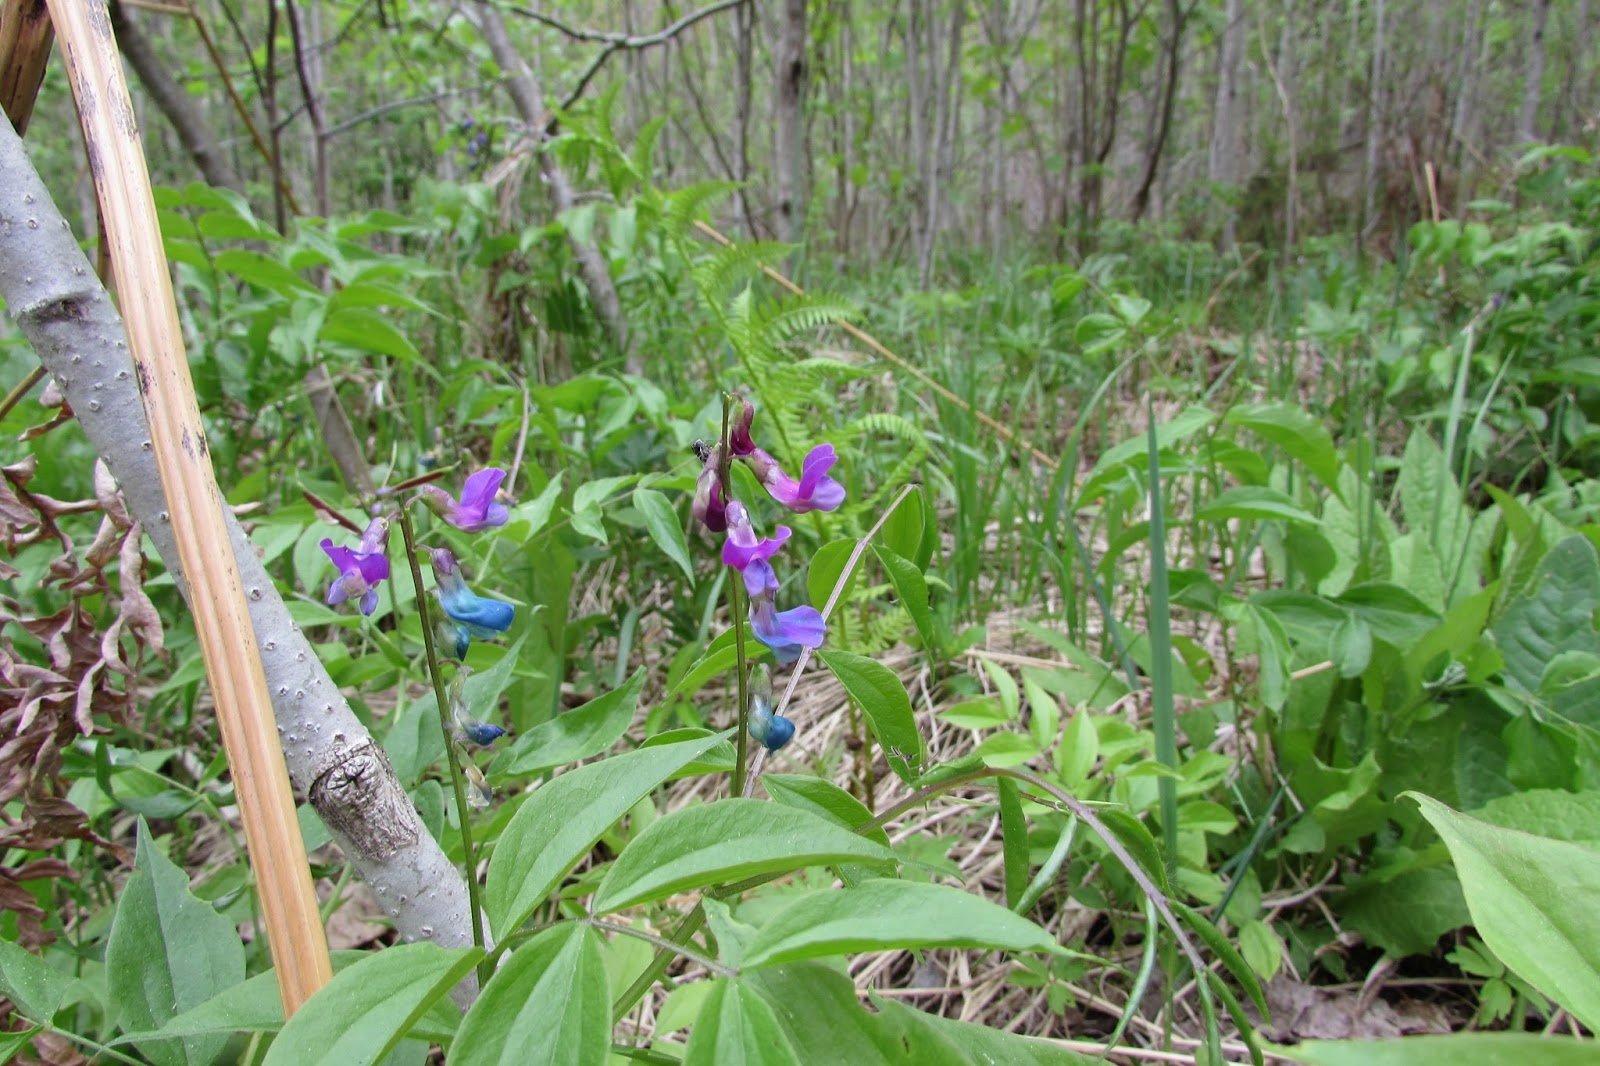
61,307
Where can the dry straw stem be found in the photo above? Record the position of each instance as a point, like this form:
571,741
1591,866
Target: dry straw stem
221,614
24,52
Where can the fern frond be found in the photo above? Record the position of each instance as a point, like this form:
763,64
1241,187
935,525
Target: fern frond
787,319
718,273
681,207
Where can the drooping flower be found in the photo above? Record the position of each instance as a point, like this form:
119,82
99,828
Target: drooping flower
464,726
785,632
744,547
480,616
709,504
361,568
772,730
477,510
814,491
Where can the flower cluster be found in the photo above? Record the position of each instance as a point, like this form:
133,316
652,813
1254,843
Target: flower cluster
467,614
785,632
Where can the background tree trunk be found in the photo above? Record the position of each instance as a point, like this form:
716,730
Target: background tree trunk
789,65
529,101
1177,20
1222,159
1533,76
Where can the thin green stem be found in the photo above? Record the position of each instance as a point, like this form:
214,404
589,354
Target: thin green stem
22,388
664,944
457,784
687,927
741,741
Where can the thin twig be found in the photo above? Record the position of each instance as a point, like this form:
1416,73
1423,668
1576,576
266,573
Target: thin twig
24,386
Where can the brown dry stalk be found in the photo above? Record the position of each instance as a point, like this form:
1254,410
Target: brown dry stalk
221,614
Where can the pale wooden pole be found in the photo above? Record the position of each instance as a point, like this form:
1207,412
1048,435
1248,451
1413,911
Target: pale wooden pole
217,596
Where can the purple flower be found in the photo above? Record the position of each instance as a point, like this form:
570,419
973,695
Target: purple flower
815,491
362,568
744,548
786,632
709,505
477,510
739,440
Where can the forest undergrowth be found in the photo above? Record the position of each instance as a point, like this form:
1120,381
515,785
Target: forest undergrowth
1182,656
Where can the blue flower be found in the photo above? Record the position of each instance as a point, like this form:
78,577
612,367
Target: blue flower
772,730
464,725
480,616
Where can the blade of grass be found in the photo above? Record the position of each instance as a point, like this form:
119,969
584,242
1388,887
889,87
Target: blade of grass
1164,718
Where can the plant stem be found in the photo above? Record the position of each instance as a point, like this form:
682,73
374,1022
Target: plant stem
741,739
463,812
15,396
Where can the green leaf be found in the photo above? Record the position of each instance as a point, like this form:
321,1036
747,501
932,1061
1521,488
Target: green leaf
1261,948
1532,901
561,821
821,796
369,1007
32,984
1548,812
531,516
884,701
11,1044
1460,1049
367,330
930,1039
1297,432
579,733
883,915
911,589
168,952
1555,613
1013,841
737,1027
1406,914
1253,501
665,529
726,841
1078,751
261,271
549,1002
1224,950
826,566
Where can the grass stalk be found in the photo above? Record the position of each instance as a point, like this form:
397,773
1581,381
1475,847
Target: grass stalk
1164,717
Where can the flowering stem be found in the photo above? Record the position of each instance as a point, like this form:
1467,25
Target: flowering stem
741,738
463,814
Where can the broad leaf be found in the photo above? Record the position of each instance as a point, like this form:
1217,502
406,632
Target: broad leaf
1556,613
1253,501
561,821
883,915
1014,841
665,528
727,841
930,1038
884,701
1532,901
370,1006
820,796
1297,432
737,1027
577,734
911,589
33,985
168,952
548,1003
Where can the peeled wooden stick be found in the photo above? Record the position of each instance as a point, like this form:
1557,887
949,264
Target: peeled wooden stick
221,615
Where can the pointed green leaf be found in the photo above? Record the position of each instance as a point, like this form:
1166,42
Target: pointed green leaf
369,1007
1532,900
168,952
1297,432
561,821
911,589
548,1003
33,985
726,841
1459,1049
883,700
884,915
737,1027
665,528
577,734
